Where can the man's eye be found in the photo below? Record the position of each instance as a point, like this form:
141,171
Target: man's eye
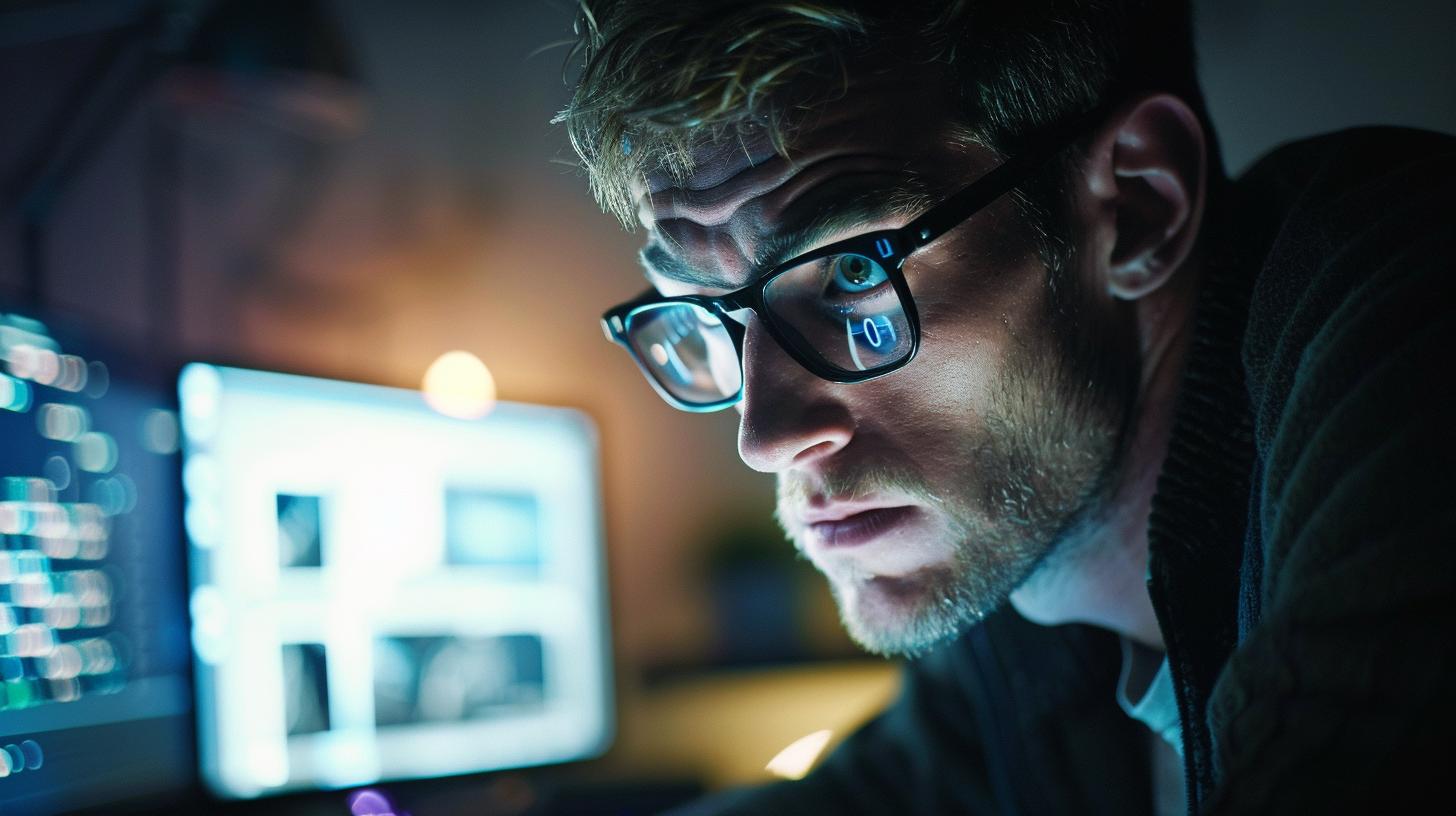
854,273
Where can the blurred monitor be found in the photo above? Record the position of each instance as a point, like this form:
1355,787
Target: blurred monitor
379,591
95,702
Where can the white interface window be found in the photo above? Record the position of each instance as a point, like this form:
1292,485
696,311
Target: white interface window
383,592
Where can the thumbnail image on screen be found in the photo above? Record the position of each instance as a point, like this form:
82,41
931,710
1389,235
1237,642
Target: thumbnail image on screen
306,684
489,528
95,703
300,536
452,679
383,592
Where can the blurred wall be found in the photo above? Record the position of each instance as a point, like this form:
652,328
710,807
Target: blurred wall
445,221
1276,70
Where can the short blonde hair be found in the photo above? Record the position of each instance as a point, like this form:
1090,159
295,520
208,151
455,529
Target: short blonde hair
659,77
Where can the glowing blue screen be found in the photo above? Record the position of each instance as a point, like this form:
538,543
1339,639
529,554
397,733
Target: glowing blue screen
382,592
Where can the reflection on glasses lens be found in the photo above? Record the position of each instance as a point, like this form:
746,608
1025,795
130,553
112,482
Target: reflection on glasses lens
842,310
687,351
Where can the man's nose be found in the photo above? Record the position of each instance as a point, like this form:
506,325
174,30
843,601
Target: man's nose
789,417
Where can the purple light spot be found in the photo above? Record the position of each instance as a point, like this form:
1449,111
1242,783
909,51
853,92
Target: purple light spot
369,802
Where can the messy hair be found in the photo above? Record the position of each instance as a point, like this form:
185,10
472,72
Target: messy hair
658,77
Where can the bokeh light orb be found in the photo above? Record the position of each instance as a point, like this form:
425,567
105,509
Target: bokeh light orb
458,384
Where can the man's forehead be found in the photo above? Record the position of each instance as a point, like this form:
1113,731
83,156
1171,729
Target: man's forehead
703,229
743,205
715,161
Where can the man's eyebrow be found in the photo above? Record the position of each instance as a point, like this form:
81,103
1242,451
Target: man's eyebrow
905,198
656,259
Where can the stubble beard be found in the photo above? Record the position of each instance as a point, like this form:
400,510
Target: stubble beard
1043,469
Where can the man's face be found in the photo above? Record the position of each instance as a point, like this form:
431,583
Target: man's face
925,496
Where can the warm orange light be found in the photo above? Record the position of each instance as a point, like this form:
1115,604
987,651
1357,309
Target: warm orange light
795,761
458,384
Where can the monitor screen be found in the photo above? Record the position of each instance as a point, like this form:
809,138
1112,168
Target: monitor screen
95,701
379,591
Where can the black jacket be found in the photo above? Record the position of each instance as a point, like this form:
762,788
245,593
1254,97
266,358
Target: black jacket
1302,543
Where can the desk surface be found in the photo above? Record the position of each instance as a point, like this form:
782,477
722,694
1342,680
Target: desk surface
723,728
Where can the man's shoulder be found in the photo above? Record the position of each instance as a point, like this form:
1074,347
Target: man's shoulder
1337,696
1347,310
1336,226
1321,169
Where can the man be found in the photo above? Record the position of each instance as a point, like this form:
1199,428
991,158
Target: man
1148,470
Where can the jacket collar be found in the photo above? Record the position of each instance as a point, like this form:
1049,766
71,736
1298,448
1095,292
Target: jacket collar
1196,529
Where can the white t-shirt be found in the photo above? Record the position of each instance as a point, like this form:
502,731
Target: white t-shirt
1145,693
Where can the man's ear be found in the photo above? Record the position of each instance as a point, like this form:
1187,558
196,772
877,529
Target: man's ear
1145,172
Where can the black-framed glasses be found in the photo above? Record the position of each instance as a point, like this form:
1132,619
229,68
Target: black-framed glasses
844,311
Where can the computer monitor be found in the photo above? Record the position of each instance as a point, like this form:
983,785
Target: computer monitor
95,698
379,591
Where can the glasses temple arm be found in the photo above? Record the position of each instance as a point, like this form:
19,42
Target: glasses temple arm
1004,178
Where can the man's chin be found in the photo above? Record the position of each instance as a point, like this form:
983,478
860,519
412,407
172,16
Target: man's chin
901,616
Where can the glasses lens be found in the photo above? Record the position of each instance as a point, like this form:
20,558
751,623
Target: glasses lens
687,350
844,310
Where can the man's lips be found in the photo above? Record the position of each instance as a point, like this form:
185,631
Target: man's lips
859,527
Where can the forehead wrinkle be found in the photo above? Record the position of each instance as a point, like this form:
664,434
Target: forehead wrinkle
714,160
720,204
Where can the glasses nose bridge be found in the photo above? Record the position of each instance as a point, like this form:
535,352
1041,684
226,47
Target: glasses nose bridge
726,308
749,299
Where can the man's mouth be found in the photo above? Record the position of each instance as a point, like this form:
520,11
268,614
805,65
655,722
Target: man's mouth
862,527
